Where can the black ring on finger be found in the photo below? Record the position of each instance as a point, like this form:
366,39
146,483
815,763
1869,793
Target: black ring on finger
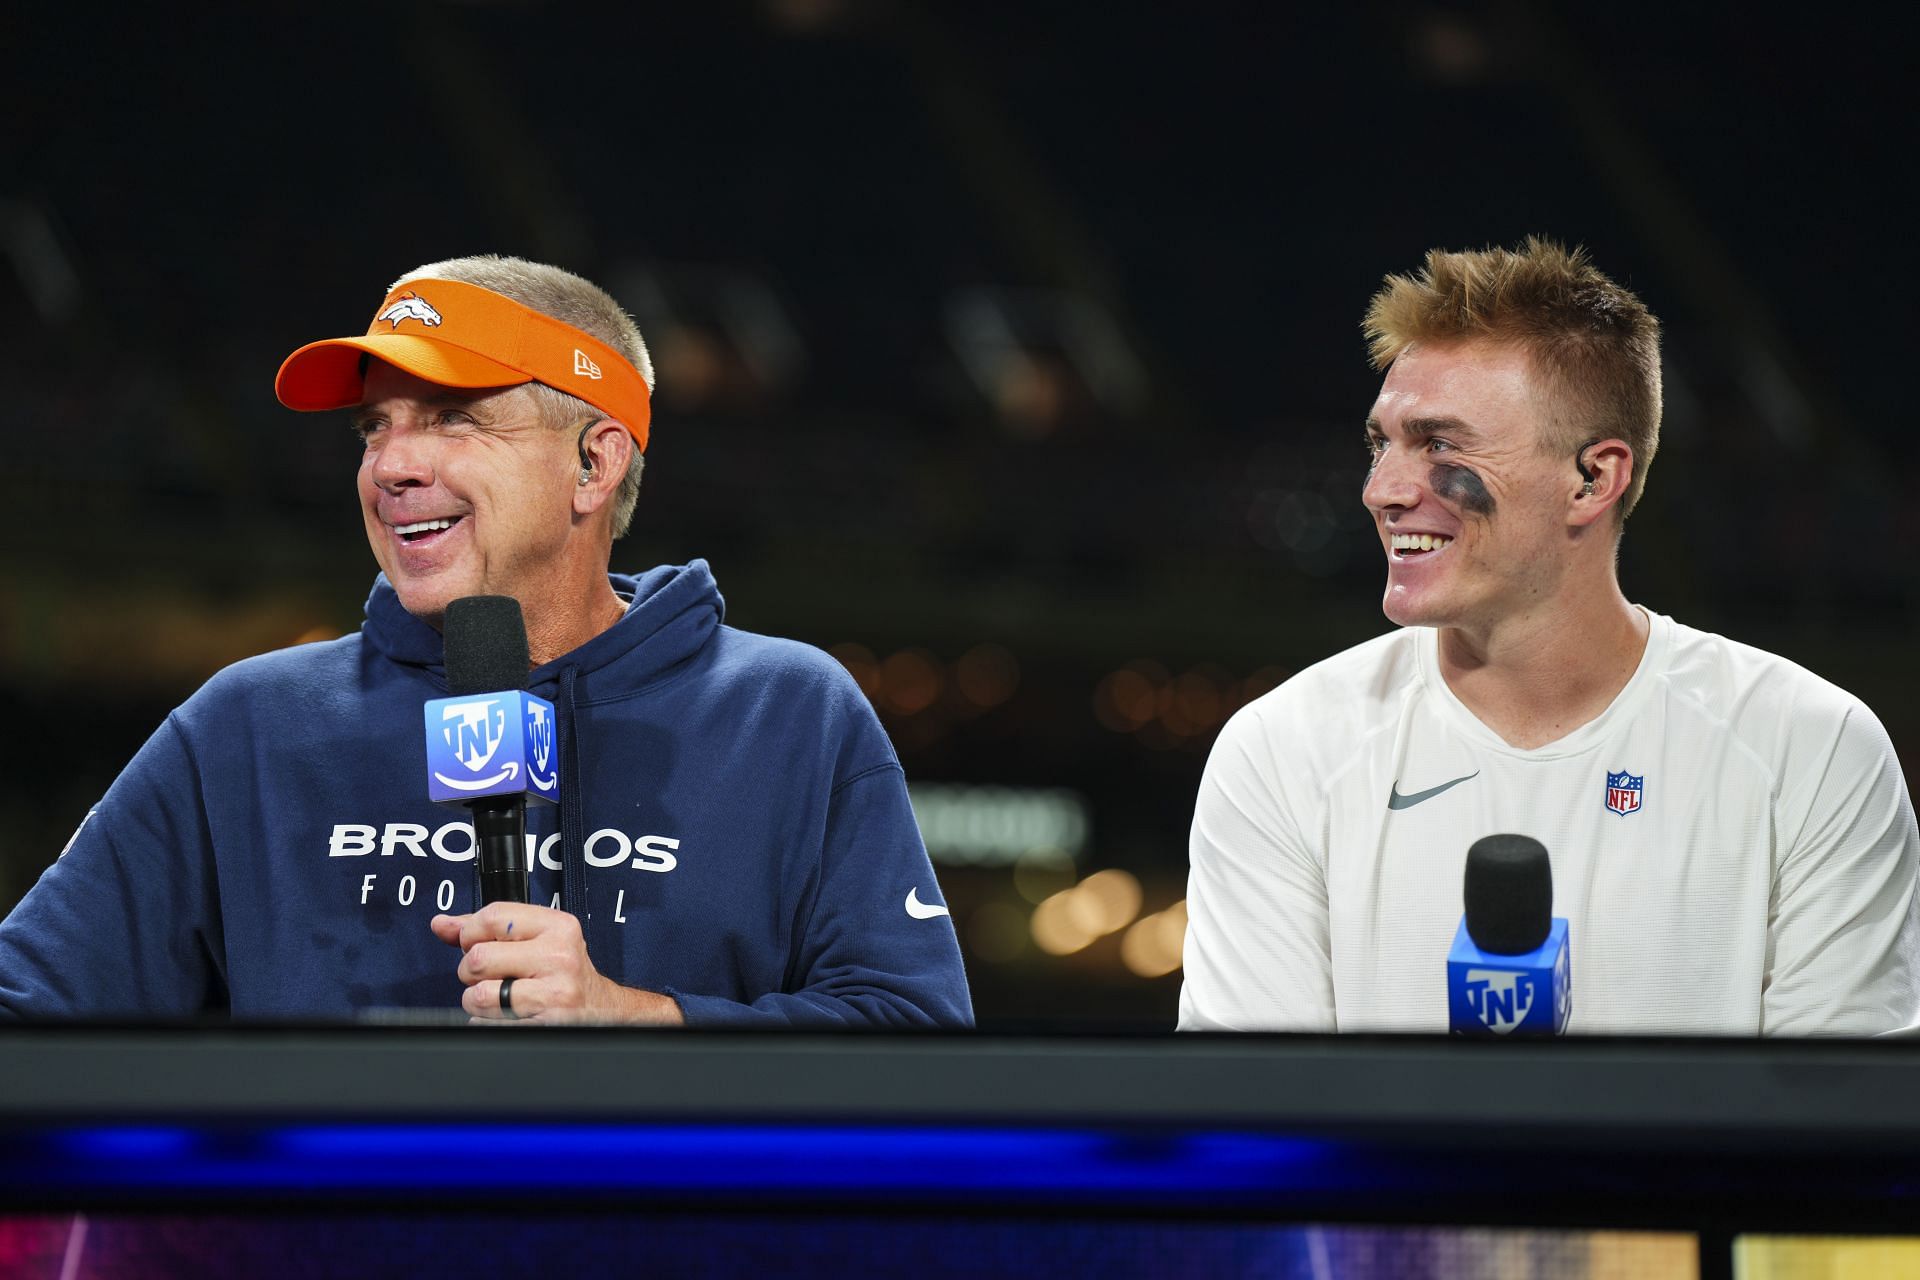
506,998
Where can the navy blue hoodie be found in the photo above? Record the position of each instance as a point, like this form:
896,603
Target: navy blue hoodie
748,845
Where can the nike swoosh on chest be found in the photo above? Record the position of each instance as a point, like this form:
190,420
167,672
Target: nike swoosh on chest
1395,800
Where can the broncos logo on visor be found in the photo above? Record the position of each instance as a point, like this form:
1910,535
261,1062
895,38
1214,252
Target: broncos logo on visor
410,306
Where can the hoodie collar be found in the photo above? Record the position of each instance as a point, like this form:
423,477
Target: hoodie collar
671,612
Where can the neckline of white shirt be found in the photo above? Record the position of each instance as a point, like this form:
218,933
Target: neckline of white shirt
1589,735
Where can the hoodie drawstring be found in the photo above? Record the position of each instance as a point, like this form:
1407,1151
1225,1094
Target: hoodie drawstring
573,815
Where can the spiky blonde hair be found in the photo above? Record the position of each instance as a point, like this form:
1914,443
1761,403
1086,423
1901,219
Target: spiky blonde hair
1591,343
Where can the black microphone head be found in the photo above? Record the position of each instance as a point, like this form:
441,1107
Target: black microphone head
486,645
1509,894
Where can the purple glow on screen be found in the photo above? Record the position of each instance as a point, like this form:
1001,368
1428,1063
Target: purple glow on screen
819,1244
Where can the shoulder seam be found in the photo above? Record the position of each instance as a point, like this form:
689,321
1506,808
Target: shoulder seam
842,785
1688,698
1353,760
1724,725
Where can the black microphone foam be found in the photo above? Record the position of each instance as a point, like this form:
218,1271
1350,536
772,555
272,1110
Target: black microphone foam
486,645
1509,894
486,648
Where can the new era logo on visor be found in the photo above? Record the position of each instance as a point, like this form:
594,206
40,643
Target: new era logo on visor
583,367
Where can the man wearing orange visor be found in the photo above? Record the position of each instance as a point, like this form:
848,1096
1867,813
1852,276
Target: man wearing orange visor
733,844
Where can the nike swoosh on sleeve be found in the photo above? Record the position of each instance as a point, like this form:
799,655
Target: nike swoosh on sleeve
1397,801
923,910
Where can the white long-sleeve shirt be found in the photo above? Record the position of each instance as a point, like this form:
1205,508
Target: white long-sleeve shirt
1758,879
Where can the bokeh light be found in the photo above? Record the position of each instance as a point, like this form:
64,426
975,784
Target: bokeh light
860,664
910,681
1165,712
1106,900
1041,873
1055,928
1154,946
1074,918
1126,699
986,676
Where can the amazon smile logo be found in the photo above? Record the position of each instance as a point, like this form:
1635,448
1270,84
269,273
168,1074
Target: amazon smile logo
507,772
491,744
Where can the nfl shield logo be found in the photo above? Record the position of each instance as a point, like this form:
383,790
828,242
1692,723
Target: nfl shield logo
1624,792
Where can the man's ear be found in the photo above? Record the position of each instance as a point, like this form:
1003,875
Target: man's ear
607,448
1604,472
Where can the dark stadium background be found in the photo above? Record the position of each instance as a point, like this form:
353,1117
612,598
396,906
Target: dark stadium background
1009,351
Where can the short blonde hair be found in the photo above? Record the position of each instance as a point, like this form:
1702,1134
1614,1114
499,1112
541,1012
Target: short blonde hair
1592,344
573,300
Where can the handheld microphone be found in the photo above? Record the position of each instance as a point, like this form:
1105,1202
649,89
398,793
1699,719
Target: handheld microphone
1508,972
490,743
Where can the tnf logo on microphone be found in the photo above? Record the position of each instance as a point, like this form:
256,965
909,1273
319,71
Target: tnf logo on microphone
1500,998
1625,791
490,744
1494,994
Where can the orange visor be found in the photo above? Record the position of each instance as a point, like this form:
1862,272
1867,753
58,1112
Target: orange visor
460,335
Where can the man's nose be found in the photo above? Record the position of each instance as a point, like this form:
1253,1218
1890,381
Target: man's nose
402,459
1394,482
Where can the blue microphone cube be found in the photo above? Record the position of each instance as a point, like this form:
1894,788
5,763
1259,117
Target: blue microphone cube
491,744
1489,994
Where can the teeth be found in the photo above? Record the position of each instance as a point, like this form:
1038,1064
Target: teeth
424,526
1419,542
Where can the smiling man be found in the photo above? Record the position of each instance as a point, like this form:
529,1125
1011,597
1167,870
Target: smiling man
1731,837
734,843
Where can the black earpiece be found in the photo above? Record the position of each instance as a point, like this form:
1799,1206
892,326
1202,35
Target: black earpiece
1580,460
586,463
580,443
1580,465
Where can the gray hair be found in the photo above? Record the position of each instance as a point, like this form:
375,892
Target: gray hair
573,300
